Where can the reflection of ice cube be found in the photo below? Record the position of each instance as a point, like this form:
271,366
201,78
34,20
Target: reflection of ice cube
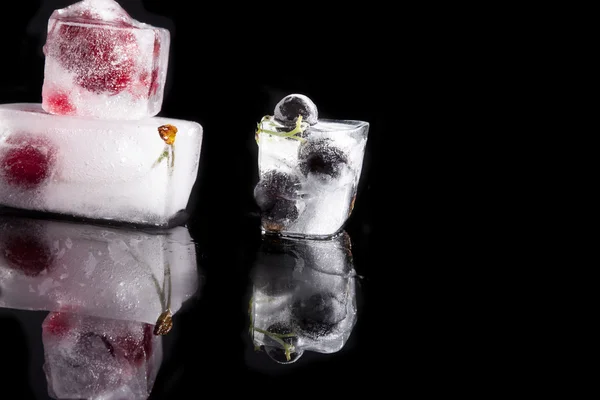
327,197
92,270
96,168
303,296
94,358
102,63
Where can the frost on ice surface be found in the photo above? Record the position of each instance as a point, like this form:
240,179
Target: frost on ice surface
149,273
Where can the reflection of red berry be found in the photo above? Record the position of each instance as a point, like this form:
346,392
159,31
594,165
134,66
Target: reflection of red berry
102,58
134,350
28,254
57,323
28,164
59,103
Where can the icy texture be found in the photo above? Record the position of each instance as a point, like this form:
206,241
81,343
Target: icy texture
102,63
96,271
304,289
327,163
95,168
93,358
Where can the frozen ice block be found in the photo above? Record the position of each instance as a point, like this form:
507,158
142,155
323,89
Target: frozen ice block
132,171
309,169
303,296
100,62
98,271
94,358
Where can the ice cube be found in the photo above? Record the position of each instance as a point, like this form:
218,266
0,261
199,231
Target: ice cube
95,358
309,172
98,271
303,296
128,171
100,62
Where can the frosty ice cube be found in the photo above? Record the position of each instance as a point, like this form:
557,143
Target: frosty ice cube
100,62
303,296
309,169
132,171
98,271
94,358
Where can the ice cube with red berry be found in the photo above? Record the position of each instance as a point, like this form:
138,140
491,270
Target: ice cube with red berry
116,273
102,63
89,357
140,171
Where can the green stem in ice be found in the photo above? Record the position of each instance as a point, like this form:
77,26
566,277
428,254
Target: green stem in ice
293,134
287,348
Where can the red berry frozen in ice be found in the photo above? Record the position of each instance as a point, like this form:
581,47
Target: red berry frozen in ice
59,103
102,57
27,253
28,163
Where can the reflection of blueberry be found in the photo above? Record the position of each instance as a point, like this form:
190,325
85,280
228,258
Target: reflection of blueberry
318,315
322,158
276,195
274,348
293,105
275,265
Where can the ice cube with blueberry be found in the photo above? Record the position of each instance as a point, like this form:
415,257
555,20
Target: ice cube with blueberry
303,296
139,171
95,358
309,169
100,62
105,272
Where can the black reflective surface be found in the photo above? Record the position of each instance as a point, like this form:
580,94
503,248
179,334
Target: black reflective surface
209,346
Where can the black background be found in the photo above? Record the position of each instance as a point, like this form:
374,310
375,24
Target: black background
229,65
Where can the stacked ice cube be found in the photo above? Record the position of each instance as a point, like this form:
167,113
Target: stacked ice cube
309,169
94,147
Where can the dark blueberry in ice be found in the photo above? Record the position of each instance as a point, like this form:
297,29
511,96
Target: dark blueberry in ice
320,157
293,105
317,315
276,195
283,211
274,347
274,185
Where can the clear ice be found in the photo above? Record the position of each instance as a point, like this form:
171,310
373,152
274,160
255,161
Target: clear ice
309,169
95,358
100,62
303,296
96,271
139,171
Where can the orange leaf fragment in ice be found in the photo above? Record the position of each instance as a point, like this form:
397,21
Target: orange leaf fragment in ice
167,133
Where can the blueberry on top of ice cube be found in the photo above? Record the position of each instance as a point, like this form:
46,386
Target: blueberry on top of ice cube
321,157
293,105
